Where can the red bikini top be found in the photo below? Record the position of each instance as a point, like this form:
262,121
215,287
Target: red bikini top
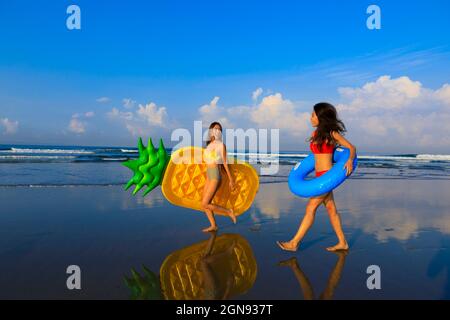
326,148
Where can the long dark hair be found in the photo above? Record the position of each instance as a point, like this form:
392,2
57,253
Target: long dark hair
328,122
212,125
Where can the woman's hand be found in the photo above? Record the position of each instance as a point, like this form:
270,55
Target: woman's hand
345,143
348,166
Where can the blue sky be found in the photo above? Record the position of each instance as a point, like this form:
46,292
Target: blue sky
174,57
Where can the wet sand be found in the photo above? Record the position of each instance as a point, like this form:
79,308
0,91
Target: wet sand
402,226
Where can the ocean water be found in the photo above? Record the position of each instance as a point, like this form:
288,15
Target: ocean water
27,165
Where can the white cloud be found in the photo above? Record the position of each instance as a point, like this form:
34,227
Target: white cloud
78,124
103,100
273,112
387,114
276,112
212,112
443,94
128,103
115,113
10,126
397,112
384,93
153,115
211,107
143,120
256,94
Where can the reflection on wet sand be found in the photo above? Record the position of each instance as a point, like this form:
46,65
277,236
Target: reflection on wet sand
440,263
275,199
397,211
306,286
222,267
401,225
392,209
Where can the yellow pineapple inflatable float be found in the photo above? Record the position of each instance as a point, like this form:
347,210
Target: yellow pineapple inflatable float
219,268
182,177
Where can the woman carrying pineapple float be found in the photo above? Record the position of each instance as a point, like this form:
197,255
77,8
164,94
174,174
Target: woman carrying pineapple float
216,158
203,179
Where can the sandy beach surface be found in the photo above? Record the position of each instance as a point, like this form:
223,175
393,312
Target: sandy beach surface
402,226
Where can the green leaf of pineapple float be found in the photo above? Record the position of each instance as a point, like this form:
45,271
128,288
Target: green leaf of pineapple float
148,168
146,286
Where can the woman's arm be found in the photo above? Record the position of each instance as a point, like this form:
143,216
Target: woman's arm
345,143
223,151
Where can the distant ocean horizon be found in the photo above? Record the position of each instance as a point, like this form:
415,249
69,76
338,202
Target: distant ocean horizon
55,165
30,152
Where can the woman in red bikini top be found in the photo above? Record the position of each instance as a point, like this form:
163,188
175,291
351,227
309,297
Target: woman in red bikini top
327,135
324,148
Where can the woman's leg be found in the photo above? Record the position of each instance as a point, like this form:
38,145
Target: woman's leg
219,209
210,281
210,244
307,222
335,276
335,222
208,194
305,284
212,284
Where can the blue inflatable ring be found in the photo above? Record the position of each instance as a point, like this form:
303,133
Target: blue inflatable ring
326,182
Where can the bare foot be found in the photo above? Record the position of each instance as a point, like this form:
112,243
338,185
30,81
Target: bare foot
232,216
338,247
210,229
287,246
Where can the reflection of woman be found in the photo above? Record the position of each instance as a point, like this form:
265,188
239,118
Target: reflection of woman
327,135
214,289
215,158
220,268
305,285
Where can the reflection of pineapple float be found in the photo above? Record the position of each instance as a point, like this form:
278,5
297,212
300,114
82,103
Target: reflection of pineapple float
183,175
183,275
144,287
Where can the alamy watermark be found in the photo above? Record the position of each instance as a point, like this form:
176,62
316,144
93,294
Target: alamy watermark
374,280
373,22
73,21
74,280
255,145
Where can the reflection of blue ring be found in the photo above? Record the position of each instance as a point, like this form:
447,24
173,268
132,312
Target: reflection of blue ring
326,182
